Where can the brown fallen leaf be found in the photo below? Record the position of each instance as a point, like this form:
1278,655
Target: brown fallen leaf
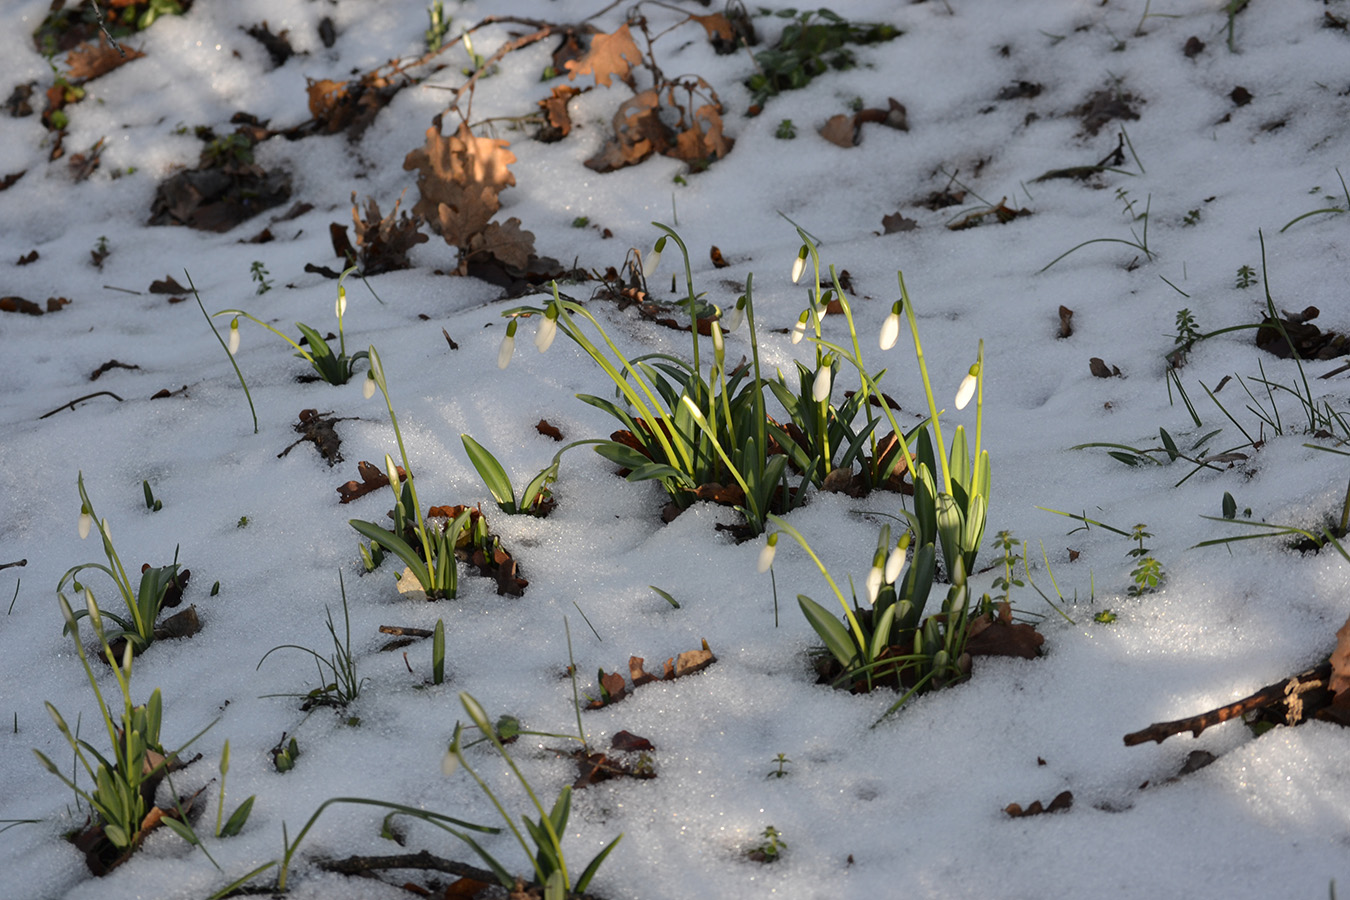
372,479
638,133
840,131
1065,322
610,56
559,120
718,261
1063,801
19,305
895,223
383,242
167,285
1100,369
89,61
1340,661
548,430
317,428
627,742
990,636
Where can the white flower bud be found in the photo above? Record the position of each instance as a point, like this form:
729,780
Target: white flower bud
126,659
449,764
103,527
653,259
548,329
799,265
820,390
86,522
873,584
368,389
341,305
95,617
766,555
508,346
737,315
896,561
234,336
799,330
391,471
719,345
66,612
967,389
890,329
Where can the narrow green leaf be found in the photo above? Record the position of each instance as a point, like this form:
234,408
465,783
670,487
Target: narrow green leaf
238,818
831,631
494,476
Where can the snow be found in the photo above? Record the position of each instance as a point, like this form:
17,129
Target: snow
915,802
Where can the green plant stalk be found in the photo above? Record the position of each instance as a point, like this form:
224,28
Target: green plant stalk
225,347
927,388
689,284
848,611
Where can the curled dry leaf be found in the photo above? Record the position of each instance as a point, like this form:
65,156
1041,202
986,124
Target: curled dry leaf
372,479
610,56
1100,369
1000,636
89,61
896,222
1063,801
555,112
1065,322
548,430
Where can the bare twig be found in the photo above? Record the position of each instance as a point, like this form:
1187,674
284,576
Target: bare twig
356,865
406,632
71,404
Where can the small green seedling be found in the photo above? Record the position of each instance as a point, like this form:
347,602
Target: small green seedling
1105,617
581,221
782,762
239,817
771,848
440,25
341,686
150,502
259,273
285,753
438,653
535,500
786,131
1246,277
1148,572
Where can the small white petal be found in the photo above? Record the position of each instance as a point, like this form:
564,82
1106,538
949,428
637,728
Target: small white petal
341,305
890,331
820,390
737,316
966,391
799,330
650,263
391,471
86,522
449,764
368,389
895,562
234,337
798,267
548,330
504,354
873,584
66,612
766,555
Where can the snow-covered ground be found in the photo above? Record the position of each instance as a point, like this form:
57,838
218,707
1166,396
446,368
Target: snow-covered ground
913,807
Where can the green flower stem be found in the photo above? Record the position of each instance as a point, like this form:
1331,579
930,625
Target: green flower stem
870,385
857,355
927,386
689,284
979,400
848,611
377,370
225,347
456,749
119,575
252,318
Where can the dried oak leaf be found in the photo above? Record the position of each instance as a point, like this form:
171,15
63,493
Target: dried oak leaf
1065,322
548,430
89,61
555,112
352,106
1340,663
896,222
506,242
703,141
990,636
638,133
627,742
1063,800
167,285
609,56
636,672
317,428
459,177
1100,369
372,479
383,242
1104,106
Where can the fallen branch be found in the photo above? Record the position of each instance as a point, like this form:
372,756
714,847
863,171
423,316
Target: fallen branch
407,632
22,562
358,865
71,404
1288,693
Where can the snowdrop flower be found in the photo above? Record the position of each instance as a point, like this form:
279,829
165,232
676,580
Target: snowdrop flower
890,329
66,612
341,305
391,471
873,584
94,615
449,763
799,265
799,330
896,561
508,345
86,521
967,389
653,259
737,315
719,346
126,659
368,389
234,336
548,329
766,555
820,390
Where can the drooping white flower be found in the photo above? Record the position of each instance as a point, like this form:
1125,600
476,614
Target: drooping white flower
820,389
548,329
799,330
799,265
341,306
449,764
368,388
736,316
719,345
896,561
66,612
234,336
508,346
967,389
86,522
766,555
890,329
95,616
653,259
873,584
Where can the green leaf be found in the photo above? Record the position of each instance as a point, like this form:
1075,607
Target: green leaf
1169,445
1229,506
594,866
622,455
181,829
235,823
881,631
664,596
494,476
831,630
396,545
